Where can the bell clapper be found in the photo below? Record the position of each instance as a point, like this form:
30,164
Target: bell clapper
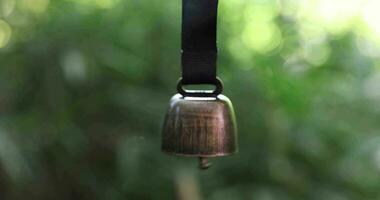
204,163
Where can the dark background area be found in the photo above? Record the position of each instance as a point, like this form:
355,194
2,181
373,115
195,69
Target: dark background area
84,86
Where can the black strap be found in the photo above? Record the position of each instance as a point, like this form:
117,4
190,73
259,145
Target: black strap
199,50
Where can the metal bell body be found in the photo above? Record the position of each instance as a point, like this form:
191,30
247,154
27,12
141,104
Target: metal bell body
200,127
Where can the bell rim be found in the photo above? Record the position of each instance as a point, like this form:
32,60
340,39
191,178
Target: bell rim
201,155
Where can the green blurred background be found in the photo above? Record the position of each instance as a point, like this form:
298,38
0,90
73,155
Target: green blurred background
84,85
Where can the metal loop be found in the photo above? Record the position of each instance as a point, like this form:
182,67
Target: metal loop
201,93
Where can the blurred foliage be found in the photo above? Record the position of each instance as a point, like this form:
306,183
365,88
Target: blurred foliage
84,86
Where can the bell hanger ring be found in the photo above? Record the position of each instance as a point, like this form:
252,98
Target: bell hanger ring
218,83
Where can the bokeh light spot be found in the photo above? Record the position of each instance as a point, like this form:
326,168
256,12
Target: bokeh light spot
367,47
7,7
316,52
5,33
106,4
371,15
74,67
36,6
262,37
102,4
372,87
261,12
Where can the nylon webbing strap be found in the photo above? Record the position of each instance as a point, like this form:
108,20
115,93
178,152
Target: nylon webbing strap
199,50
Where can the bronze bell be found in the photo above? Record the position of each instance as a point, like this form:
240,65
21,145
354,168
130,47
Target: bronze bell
200,124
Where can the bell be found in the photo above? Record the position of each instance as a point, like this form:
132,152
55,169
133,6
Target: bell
200,124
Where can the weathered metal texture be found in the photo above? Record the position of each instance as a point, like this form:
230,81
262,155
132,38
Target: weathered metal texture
200,126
